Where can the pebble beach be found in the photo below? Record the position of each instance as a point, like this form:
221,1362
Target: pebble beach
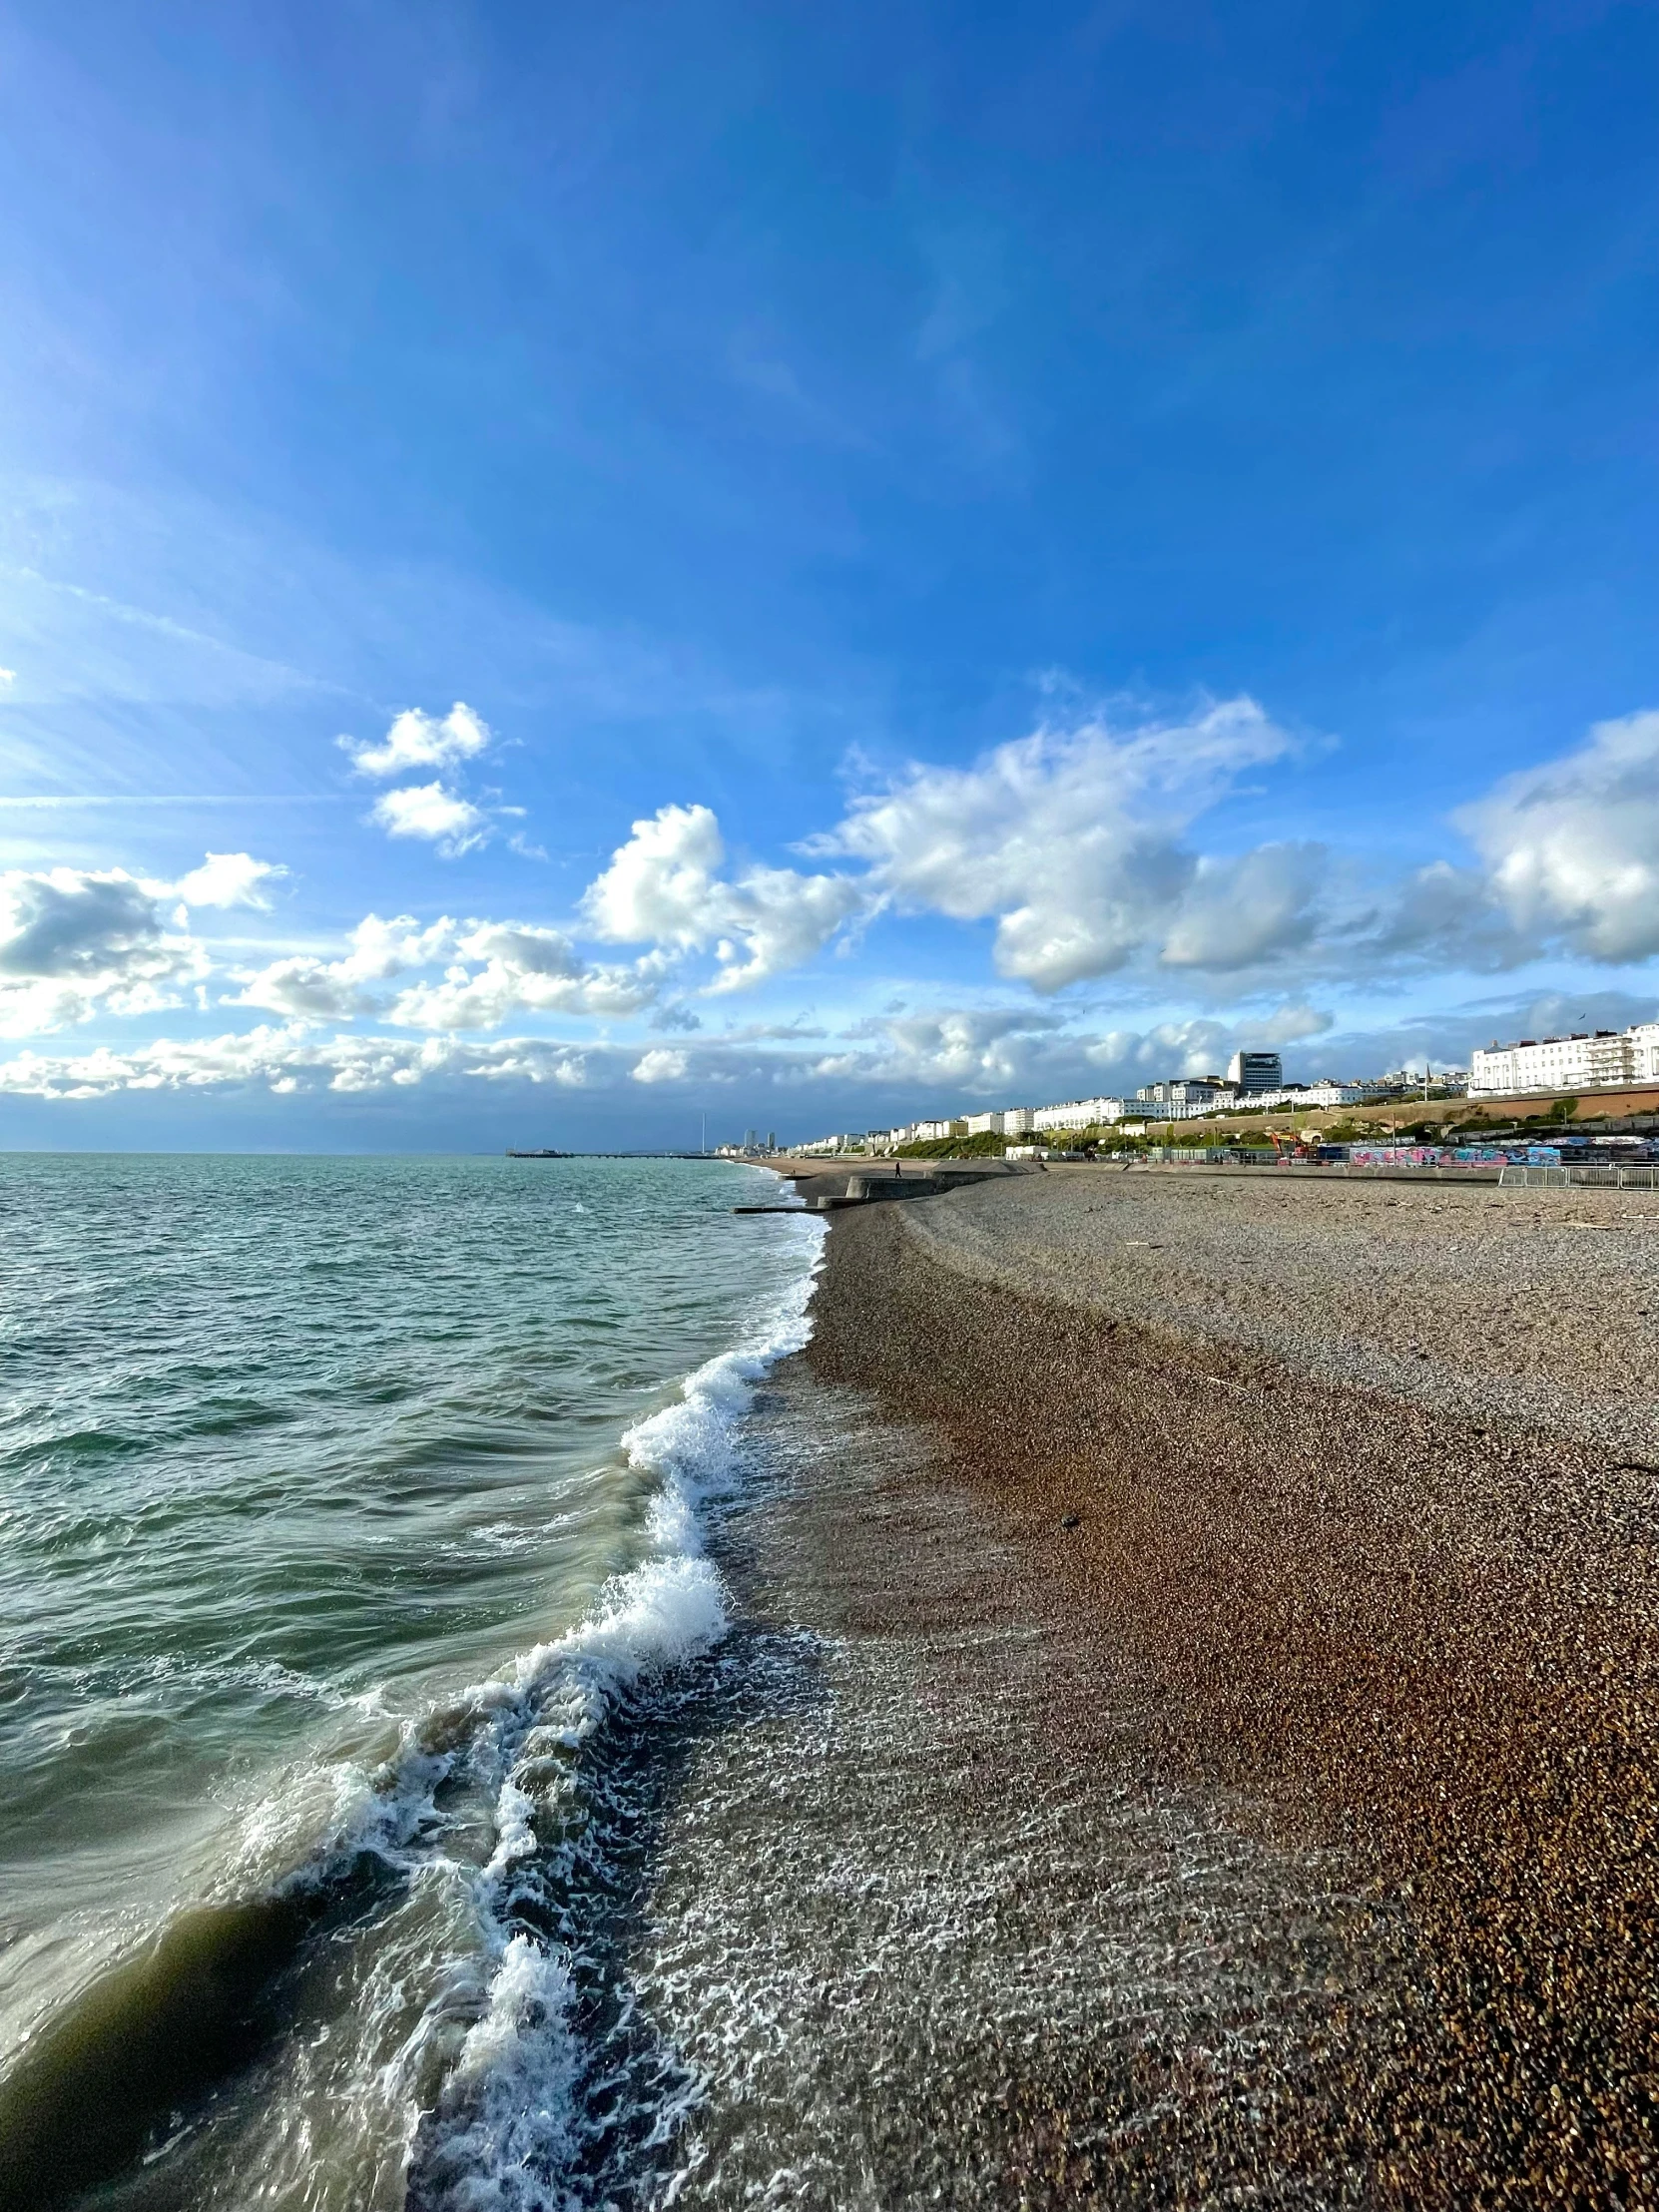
1350,1491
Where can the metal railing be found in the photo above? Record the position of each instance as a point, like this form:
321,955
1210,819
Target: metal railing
1574,1178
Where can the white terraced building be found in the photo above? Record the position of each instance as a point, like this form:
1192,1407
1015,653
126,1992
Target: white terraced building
1012,1121
1080,1113
1310,1097
1179,1090
1178,1099
1306,1094
1185,1109
1587,1060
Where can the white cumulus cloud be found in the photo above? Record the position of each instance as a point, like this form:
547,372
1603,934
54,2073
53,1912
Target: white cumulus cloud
290,1060
308,988
304,989
74,940
434,812
417,740
1237,913
442,817
1074,842
972,1051
490,971
1200,1045
229,880
1571,848
661,1065
503,968
665,888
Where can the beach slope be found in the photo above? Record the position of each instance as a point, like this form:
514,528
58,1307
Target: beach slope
1363,1476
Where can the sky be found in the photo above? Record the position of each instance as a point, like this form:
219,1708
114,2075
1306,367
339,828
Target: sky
578,576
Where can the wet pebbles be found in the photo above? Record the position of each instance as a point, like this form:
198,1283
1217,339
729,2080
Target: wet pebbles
1357,1478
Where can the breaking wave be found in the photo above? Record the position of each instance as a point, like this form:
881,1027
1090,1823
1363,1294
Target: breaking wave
498,1798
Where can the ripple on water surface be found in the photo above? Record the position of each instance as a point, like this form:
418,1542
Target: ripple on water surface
311,1474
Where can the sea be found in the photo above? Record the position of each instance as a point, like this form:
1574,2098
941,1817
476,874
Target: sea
355,1570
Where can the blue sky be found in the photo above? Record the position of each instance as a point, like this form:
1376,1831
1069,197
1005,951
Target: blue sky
987,552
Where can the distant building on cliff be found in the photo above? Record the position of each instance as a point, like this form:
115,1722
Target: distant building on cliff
1079,1113
1199,1090
1599,1059
1322,1095
1255,1071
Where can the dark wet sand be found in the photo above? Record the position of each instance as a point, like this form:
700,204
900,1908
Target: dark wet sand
1402,1613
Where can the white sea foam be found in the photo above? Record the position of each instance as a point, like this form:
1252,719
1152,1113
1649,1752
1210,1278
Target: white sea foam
659,1614
505,2132
510,2128
688,1444
509,2103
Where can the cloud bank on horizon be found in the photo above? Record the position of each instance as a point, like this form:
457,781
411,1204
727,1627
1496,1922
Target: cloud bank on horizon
1079,848
809,569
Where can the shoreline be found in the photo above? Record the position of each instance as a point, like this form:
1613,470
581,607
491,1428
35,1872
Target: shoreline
974,1947
1408,1616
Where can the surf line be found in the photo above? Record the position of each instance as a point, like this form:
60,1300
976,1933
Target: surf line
88,2092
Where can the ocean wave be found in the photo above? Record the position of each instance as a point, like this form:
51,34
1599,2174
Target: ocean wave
489,1790
666,1610
506,2132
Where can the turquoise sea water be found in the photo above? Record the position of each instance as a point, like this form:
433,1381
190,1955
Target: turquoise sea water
348,1510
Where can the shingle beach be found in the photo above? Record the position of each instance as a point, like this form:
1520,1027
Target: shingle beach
1360,1481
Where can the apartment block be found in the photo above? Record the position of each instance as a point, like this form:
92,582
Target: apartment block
1597,1059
